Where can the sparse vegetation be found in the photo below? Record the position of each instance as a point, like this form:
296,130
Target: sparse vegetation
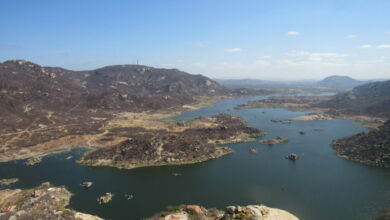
194,142
371,148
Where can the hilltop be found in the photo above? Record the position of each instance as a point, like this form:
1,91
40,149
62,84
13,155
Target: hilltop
46,109
340,82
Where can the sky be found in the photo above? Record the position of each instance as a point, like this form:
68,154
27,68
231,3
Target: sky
229,39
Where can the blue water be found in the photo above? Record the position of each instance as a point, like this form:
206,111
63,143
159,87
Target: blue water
319,186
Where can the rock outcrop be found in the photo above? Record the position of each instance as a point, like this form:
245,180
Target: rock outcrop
250,212
106,198
42,202
292,157
384,215
7,182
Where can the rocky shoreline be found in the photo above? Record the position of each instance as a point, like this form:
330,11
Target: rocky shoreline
314,104
7,182
132,165
383,215
196,212
277,140
200,140
370,148
42,202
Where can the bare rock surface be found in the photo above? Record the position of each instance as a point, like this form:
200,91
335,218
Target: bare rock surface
250,212
42,202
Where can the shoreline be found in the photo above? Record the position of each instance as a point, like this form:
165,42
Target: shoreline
45,200
69,142
222,150
155,123
313,113
129,166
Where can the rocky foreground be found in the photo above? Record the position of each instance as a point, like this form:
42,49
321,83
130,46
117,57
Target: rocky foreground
277,140
183,143
384,215
371,148
195,212
42,202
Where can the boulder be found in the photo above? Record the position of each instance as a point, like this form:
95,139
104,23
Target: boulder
106,198
292,157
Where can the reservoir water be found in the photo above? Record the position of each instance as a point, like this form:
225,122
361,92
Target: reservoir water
318,186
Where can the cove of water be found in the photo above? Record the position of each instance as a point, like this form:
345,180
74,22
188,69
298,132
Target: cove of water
319,186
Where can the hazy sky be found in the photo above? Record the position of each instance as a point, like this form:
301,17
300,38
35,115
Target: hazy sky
226,39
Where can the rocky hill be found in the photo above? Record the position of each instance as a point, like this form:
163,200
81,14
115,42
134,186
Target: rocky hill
48,108
372,148
371,99
34,96
31,94
340,82
28,87
40,104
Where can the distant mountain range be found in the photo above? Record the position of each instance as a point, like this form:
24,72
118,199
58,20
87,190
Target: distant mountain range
331,82
270,84
340,82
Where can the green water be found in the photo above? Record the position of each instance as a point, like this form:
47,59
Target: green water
319,186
